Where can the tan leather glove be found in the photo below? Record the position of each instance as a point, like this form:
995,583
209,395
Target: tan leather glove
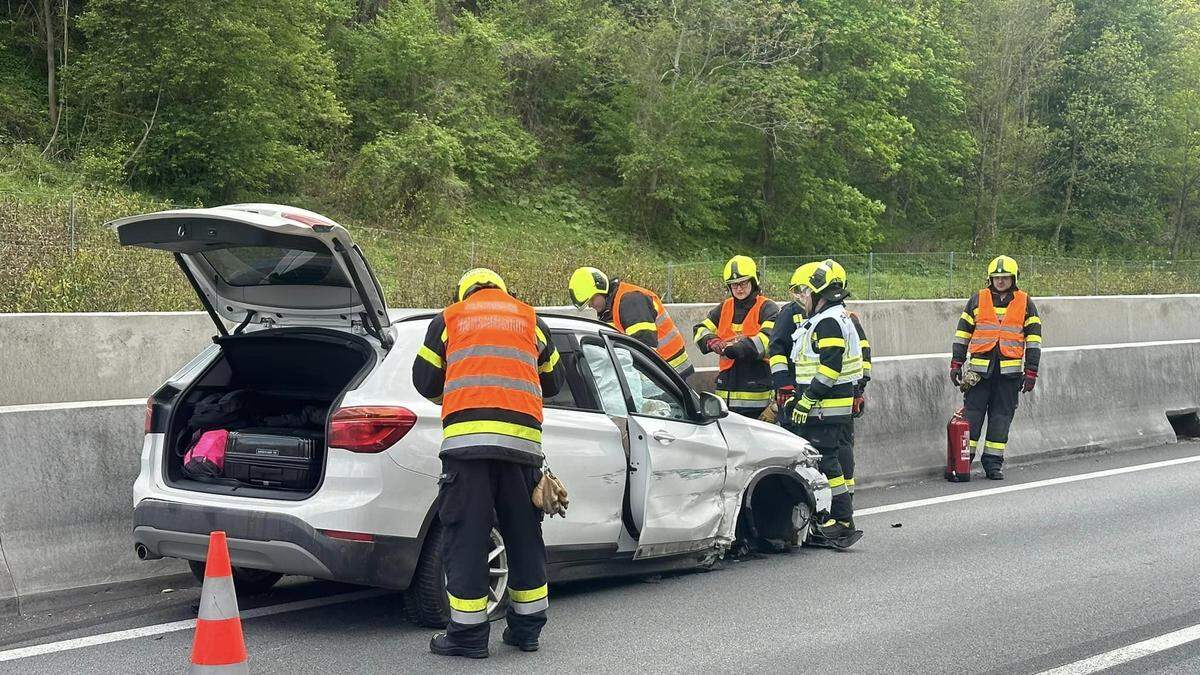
550,496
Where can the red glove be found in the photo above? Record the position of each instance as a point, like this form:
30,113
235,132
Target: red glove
783,395
714,345
956,373
1029,382
860,404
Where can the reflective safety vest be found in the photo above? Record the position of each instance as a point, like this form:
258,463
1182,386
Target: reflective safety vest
991,330
492,363
749,327
807,359
737,387
671,346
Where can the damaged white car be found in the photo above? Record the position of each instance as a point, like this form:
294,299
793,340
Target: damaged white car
341,475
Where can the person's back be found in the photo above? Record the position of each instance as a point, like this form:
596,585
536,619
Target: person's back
489,361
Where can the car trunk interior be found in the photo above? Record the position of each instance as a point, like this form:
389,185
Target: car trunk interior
278,383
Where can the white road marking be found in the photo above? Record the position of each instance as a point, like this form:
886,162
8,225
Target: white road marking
1130,653
176,626
887,508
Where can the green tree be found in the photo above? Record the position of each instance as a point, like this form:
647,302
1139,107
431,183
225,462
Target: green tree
210,99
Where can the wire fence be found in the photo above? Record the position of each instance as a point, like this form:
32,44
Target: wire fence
56,256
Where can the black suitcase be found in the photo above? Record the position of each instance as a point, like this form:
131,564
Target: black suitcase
279,458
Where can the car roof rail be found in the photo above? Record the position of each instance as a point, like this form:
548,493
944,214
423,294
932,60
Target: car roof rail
420,316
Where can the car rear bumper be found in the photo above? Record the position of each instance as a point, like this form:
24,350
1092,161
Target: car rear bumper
275,542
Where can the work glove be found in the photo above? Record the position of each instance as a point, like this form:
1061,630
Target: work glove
715,345
733,349
800,412
1029,381
956,373
860,402
783,395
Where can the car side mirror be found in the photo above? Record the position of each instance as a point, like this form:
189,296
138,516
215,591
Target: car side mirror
712,406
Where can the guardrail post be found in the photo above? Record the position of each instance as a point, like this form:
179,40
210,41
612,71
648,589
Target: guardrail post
670,281
870,273
71,225
950,278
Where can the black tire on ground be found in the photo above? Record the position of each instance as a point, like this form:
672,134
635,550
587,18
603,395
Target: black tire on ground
425,601
246,581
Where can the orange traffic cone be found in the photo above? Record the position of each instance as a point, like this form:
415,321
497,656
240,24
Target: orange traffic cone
218,646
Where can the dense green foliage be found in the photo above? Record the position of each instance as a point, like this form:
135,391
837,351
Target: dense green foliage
770,125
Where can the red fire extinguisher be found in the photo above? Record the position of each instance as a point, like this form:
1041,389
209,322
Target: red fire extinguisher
958,448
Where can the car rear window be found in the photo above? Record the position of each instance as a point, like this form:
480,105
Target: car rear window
274,266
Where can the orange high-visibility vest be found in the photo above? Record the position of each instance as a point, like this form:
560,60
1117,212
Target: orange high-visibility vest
492,355
670,341
990,330
749,328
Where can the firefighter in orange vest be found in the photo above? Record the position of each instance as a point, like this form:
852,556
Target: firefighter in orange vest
488,360
738,331
632,310
999,340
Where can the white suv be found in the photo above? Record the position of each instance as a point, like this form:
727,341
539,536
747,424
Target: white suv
660,477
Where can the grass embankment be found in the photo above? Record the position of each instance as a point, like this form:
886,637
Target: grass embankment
56,256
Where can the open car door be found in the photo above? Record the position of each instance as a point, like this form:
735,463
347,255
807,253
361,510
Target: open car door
676,457
268,264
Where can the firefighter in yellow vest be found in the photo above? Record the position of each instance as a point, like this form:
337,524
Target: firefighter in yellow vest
634,311
817,360
999,341
738,331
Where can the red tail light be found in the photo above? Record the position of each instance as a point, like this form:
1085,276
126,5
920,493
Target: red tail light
369,428
348,536
149,414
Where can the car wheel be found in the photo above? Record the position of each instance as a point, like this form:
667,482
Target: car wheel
246,581
802,517
425,601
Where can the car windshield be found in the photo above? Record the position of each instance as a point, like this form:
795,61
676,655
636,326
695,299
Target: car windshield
273,266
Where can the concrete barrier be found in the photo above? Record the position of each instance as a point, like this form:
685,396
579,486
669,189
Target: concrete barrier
65,502
52,358
1094,398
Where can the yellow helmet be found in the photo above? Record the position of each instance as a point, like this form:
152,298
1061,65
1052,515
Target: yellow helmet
1001,266
585,284
826,279
740,268
480,277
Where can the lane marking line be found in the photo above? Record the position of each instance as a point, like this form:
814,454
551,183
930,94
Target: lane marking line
887,508
176,626
1129,653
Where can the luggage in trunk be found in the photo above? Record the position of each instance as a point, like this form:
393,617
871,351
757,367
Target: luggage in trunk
278,458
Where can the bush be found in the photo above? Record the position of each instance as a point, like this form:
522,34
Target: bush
409,174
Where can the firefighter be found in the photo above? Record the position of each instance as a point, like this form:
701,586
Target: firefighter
738,331
1000,333
634,311
816,357
488,360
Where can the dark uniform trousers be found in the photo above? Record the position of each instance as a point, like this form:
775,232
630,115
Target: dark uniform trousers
835,442
994,397
473,495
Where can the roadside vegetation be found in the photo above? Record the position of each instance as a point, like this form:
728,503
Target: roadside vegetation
535,135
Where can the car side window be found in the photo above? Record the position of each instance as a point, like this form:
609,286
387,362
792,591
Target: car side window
604,375
652,396
575,393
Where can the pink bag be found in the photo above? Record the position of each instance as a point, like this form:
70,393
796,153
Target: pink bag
206,459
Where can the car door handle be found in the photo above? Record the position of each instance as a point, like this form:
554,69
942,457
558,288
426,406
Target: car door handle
664,437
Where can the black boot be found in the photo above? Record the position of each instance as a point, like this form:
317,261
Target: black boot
524,645
442,646
994,473
839,533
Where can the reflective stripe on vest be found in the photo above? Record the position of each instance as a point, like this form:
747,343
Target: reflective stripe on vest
807,359
727,330
991,331
671,345
491,362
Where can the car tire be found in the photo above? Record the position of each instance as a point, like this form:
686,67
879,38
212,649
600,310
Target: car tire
425,601
246,581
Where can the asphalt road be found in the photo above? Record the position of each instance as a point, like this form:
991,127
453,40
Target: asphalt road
1012,582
